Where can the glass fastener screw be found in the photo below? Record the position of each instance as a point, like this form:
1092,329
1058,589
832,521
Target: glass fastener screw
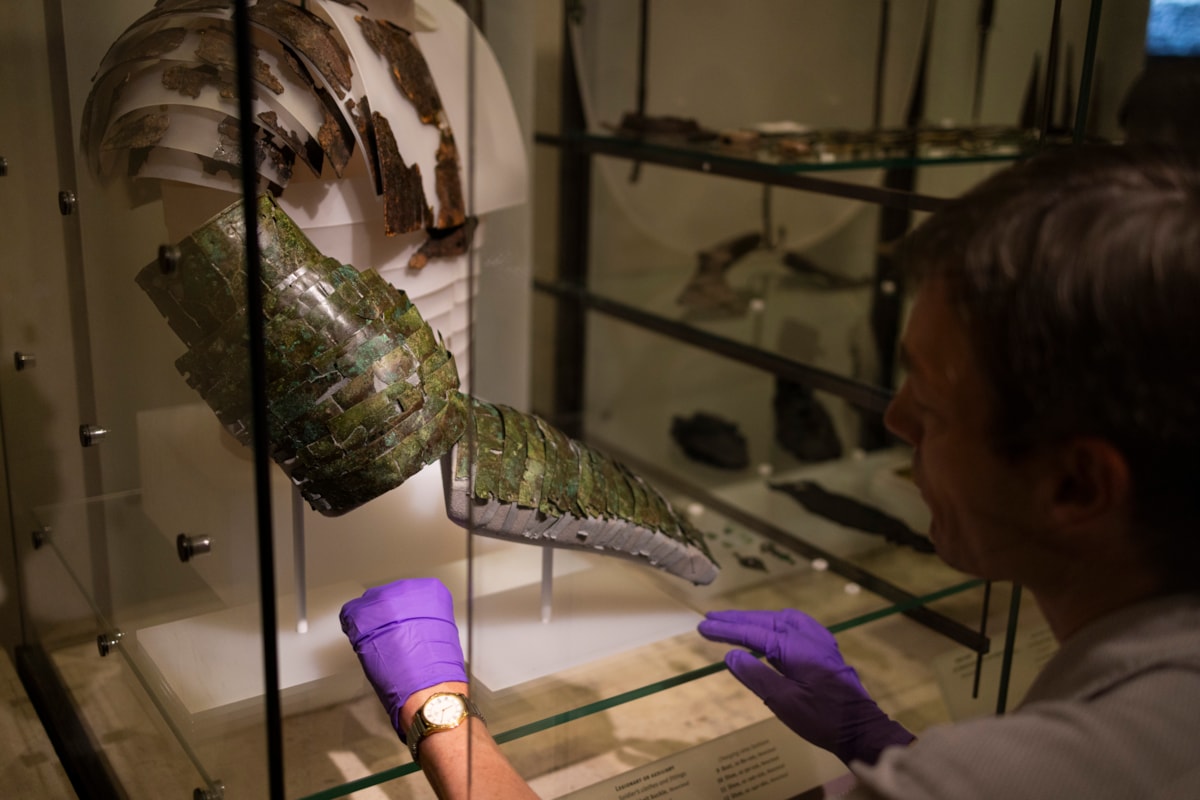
67,202
105,642
91,435
188,546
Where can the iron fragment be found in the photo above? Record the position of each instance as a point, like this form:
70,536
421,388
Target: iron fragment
310,36
445,243
408,66
189,81
137,130
404,203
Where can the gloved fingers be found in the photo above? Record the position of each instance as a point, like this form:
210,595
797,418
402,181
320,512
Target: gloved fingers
756,617
755,675
788,621
395,602
764,640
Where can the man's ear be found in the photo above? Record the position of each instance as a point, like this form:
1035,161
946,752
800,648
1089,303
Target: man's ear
1092,482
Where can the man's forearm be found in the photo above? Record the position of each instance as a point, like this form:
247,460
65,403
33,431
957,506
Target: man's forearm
465,761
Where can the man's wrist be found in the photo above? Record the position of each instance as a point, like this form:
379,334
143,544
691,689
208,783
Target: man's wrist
415,700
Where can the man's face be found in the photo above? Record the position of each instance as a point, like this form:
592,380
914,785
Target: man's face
984,508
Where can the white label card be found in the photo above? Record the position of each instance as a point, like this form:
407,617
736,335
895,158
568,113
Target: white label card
764,761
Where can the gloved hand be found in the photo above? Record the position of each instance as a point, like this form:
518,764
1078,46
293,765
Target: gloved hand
814,692
406,640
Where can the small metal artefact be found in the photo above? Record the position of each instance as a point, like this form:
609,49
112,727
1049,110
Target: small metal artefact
215,791
67,201
24,360
41,536
3,167
777,551
105,642
188,546
91,435
751,562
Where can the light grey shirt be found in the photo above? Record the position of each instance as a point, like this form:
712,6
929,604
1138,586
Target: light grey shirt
1115,713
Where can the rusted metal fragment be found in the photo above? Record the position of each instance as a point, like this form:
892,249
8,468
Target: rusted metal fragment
409,69
228,145
445,243
215,166
308,35
229,148
307,150
163,8
137,130
334,136
359,112
216,48
414,79
191,80
451,205
404,206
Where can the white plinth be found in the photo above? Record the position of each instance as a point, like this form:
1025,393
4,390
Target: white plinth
596,612
212,667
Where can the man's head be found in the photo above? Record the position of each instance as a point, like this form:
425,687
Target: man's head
1075,281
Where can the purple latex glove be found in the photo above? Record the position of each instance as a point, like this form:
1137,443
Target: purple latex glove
406,639
814,692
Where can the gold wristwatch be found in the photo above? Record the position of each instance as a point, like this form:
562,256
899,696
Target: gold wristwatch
442,711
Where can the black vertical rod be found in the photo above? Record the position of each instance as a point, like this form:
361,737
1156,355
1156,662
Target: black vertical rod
574,190
983,620
643,53
987,9
887,291
258,400
1085,77
885,18
1010,640
1050,87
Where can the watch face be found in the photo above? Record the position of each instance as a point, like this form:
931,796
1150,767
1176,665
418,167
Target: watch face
444,709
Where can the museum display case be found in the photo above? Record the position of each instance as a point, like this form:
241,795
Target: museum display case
238,398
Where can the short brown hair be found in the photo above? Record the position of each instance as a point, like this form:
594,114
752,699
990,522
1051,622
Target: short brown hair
1077,273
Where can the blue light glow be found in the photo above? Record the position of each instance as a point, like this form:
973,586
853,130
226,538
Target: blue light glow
1173,28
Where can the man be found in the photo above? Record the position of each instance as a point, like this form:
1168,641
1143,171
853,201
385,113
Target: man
1052,400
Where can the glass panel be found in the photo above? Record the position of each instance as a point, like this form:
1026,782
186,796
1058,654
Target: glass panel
724,255
153,559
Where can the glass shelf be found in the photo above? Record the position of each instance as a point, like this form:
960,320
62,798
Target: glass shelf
824,150
152,590
772,296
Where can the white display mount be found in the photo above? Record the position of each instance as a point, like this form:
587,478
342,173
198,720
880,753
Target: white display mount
527,621
198,479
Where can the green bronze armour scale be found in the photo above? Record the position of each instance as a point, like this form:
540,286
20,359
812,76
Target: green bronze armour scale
362,394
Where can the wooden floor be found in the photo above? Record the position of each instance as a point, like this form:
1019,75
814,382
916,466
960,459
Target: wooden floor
29,767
